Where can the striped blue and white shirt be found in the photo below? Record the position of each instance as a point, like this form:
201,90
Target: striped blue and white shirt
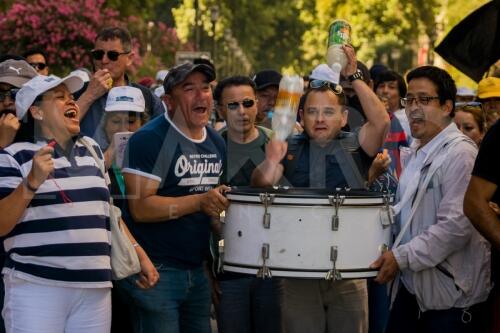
57,241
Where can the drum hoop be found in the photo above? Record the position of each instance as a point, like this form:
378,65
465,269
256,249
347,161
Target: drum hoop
254,203
353,270
370,195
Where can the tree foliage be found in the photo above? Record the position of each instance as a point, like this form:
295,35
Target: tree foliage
291,35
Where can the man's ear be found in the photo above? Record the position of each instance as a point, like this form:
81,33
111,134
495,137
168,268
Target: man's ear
345,115
447,106
168,101
221,111
301,115
130,58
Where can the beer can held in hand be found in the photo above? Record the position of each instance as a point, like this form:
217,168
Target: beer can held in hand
339,34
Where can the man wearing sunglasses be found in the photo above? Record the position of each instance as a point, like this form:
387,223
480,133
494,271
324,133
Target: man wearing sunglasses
244,300
37,59
112,55
13,74
326,157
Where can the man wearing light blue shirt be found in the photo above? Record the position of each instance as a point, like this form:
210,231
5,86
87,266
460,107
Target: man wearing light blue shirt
442,261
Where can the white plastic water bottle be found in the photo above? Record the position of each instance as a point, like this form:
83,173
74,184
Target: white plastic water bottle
287,105
339,34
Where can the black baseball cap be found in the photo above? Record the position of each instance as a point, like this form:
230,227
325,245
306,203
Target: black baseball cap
179,73
267,78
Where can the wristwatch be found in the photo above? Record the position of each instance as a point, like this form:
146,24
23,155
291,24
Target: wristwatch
356,76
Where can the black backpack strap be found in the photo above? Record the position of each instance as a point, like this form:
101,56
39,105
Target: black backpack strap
295,147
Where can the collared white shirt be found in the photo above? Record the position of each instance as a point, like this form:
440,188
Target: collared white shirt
417,161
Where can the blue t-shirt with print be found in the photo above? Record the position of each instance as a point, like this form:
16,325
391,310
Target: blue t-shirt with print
183,167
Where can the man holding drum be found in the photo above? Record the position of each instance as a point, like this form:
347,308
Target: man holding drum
442,261
171,169
246,303
326,157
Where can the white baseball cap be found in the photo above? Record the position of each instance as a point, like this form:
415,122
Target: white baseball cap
84,75
38,86
161,74
323,72
464,91
160,91
125,98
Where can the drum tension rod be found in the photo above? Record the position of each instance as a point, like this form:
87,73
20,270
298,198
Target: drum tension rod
267,200
264,272
220,263
387,209
336,201
333,274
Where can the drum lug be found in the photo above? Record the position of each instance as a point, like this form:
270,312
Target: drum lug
264,272
333,274
336,201
387,216
220,262
267,200
383,248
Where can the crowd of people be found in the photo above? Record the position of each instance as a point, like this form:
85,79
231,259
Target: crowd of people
173,148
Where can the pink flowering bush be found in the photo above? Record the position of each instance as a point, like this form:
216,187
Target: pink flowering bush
66,29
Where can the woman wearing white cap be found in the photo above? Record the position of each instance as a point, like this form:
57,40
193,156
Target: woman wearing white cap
124,112
55,219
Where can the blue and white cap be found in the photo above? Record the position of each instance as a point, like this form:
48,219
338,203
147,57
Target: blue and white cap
125,98
41,84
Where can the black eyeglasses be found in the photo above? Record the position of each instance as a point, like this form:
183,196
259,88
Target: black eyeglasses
112,55
39,66
247,103
8,93
422,100
317,84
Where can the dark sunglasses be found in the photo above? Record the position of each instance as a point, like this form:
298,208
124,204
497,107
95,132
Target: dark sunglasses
112,55
247,103
317,84
8,93
38,65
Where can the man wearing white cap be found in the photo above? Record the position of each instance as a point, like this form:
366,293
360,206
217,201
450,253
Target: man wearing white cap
54,204
160,76
13,74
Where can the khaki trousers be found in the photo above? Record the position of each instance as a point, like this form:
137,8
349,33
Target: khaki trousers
322,306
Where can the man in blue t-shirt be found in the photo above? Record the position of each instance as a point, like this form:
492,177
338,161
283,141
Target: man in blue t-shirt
172,168
326,157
